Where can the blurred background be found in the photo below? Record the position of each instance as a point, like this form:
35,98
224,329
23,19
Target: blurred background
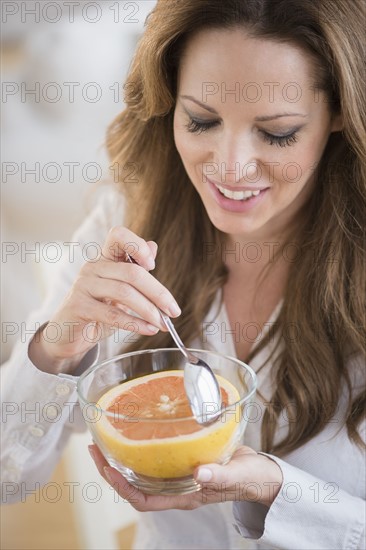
63,70
63,67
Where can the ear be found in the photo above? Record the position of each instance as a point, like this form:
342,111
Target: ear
337,123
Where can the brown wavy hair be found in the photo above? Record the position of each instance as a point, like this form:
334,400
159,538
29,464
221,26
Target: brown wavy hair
325,292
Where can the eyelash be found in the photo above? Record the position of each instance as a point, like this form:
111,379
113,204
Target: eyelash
280,141
197,127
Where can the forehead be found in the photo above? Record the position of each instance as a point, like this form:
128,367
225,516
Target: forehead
229,59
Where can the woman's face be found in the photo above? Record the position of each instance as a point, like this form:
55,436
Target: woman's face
250,129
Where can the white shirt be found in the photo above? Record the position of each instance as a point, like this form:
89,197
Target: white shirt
321,504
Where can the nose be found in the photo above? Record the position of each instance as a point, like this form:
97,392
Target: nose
236,159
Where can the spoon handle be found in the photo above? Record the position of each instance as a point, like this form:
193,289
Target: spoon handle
169,325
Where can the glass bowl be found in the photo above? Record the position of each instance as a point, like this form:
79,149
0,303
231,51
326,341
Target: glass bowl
150,434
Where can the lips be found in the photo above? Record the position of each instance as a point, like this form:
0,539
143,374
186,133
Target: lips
238,193
237,199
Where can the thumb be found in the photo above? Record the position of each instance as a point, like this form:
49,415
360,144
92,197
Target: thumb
230,473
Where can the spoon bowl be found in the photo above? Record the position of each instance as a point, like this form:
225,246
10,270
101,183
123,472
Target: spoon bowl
200,382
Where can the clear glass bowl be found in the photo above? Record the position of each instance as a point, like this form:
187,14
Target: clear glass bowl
158,455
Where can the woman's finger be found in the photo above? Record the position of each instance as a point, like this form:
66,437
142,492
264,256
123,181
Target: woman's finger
135,276
153,248
124,294
121,240
137,498
150,503
99,459
248,476
229,474
125,490
111,316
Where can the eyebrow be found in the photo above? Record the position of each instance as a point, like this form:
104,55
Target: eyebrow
258,118
210,109
280,115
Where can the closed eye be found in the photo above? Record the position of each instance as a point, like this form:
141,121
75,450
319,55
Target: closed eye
198,126
280,141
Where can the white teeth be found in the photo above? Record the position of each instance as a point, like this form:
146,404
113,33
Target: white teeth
237,195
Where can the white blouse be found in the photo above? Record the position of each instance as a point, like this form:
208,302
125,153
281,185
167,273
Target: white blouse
322,501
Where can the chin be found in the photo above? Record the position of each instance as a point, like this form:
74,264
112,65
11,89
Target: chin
235,227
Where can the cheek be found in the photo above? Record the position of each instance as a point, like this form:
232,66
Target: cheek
181,144
180,137
186,152
298,164
188,149
191,149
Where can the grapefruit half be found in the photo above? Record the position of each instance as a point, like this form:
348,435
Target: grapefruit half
149,427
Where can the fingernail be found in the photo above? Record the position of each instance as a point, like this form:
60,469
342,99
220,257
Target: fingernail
91,451
152,329
107,474
150,264
174,309
204,474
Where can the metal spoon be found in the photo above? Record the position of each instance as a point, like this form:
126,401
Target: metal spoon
200,383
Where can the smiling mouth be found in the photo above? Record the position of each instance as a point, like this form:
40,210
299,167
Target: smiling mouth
238,195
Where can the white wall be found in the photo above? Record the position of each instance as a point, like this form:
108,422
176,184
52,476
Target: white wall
55,129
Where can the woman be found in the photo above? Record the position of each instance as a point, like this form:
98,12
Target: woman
245,121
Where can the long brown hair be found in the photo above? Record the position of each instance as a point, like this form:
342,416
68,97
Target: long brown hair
325,293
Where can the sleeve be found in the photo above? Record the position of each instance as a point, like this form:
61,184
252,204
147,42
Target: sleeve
303,515
40,410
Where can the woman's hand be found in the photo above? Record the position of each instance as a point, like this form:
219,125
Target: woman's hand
248,476
108,294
